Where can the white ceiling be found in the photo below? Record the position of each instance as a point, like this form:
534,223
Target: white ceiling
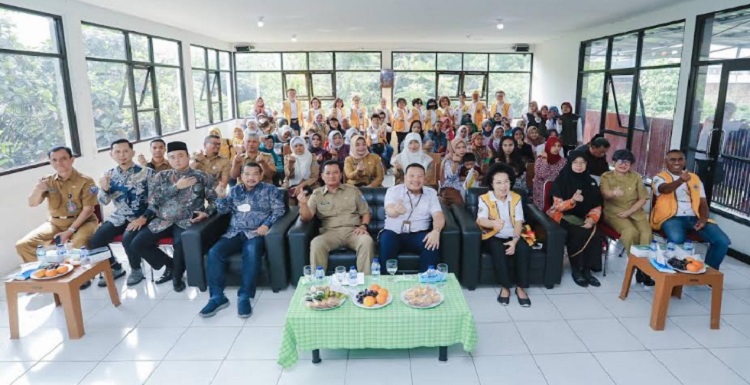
383,21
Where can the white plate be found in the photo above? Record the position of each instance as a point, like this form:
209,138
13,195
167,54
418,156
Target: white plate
701,271
357,304
403,294
70,269
343,299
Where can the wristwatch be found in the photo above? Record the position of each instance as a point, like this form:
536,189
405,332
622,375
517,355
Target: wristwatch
72,229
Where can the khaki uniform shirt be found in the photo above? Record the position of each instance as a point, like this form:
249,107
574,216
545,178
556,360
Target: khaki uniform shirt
343,208
216,167
162,167
371,175
66,198
633,190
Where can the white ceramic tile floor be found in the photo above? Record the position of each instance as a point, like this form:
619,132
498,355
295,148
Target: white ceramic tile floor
156,337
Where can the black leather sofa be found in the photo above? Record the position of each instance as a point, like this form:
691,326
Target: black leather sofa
546,264
274,271
302,233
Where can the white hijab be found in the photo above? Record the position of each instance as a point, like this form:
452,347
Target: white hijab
303,162
407,157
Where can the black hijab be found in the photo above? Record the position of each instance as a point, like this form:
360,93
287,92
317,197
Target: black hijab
568,181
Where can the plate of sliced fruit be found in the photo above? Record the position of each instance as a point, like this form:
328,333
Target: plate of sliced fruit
51,271
689,265
323,298
374,297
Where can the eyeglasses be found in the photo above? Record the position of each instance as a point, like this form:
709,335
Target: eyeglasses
626,162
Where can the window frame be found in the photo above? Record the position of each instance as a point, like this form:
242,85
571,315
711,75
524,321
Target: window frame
67,92
216,73
132,65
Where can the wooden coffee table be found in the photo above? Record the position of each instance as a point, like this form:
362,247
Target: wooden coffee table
670,285
67,292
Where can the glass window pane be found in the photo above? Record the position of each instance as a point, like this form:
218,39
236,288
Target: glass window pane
224,61
200,98
258,61
595,55
110,102
321,61
27,32
144,97
139,47
226,95
212,59
448,85
725,36
299,83
516,87
103,42
252,85
413,61
475,62
34,117
474,83
449,62
663,45
168,52
510,62
411,85
358,61
170,99
147,124
295,61
624,50
592,95
618,104
364,84
704,106
216,110
197,57
322,85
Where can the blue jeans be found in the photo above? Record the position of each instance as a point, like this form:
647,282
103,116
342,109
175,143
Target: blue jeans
252,251
677,227
391,244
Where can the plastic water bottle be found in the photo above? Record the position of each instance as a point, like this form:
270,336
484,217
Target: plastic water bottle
41,254
688,247
320,275
670,250
653,249
352,276
85,259
60,253
375,270
431,272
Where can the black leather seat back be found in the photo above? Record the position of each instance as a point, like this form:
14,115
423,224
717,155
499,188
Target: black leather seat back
375,198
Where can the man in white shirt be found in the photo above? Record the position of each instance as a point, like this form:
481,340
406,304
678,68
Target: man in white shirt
411,210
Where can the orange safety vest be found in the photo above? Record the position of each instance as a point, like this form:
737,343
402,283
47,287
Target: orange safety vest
506,109
287,111
665,205
493,215
355,114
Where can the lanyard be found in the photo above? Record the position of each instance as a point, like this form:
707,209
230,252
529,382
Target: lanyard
412,205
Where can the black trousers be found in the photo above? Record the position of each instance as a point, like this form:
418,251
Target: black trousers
502,263
103,237
591,255
146,245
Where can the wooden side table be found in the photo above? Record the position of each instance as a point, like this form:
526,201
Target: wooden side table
67,292
670,285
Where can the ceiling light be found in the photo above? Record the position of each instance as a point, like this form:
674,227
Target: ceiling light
500,24
260,21
294,38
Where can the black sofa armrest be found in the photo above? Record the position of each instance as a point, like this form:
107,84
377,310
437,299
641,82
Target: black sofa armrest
300,235
450,243
196,241
553,236
471,246
277,249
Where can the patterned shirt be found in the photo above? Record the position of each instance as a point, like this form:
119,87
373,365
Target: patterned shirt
129,191
168,205
263,205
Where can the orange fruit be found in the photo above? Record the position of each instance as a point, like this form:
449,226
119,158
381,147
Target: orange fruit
381,299
375,287
383,291
693,267
699,264
62,270
50,273
369,301
690,259
39,273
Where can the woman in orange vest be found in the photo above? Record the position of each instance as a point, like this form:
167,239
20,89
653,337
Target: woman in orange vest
400,118
500,217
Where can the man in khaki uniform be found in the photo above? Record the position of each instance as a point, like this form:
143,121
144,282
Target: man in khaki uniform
344,214
209,161
253,154
71,199
158,161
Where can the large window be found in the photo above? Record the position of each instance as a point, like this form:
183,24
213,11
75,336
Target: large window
35,99
212,85
627,89
325,75
435,74
137,91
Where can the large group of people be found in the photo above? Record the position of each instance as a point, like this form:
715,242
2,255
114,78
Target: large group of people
321,158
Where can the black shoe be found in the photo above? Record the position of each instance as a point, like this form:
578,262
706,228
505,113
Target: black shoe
86,285
590,278
178,285
166,277
643,278
524,302
503,300
579,279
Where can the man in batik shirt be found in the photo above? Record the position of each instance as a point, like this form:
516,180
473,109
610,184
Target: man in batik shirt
177,199
255,207
126,186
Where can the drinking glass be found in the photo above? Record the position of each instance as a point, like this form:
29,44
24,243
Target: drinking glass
391,266
340,273
307,271
443,271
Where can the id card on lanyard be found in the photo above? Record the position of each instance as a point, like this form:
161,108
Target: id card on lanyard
406,225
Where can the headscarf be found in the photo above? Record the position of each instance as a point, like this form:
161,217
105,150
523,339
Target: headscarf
534,142
555,110
552,158
303,164
331,135
353,147
407,157
225,150
487,123
281,131
568,181
316,150
495,142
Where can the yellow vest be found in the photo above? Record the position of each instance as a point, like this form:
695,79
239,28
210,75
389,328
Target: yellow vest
493,215
506,109
414,116
479,113
665,205
428,123
287,111
399,124
354,120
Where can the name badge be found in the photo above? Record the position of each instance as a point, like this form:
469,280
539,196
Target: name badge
406,227
243,208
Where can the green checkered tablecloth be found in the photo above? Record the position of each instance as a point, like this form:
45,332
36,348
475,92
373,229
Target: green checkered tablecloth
395,326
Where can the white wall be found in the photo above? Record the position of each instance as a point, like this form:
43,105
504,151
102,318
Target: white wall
19,218
556,72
